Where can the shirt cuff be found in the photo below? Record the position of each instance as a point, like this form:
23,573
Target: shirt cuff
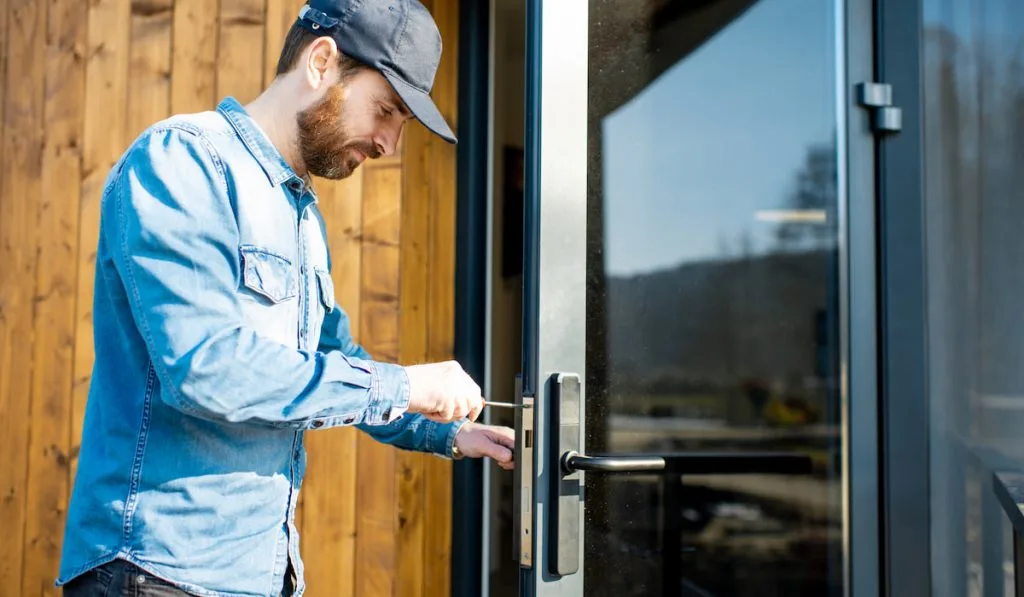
442,438
389,393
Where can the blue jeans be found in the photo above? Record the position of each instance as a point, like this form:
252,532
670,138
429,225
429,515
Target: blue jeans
124,579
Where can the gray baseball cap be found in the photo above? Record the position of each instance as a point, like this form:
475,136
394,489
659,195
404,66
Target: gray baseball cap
397,37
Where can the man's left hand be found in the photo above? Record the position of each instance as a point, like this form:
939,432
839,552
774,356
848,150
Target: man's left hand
476,440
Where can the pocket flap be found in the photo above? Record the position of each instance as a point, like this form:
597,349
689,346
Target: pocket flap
268,274
326,285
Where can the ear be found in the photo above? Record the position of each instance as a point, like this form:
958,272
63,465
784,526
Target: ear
321,62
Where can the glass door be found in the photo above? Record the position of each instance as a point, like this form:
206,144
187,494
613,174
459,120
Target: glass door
691,324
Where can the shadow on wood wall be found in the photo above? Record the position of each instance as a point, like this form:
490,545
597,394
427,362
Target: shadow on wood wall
78,81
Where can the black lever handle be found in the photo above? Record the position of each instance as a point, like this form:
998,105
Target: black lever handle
695,463
574,461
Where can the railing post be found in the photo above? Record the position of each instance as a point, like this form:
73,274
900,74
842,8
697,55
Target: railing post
1009,490
1018,564
671,535
992,550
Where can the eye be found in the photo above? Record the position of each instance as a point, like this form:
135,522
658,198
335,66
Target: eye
385,111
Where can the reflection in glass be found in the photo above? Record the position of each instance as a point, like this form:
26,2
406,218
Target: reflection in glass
973,76
712,306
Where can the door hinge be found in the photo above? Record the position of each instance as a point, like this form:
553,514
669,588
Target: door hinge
877,98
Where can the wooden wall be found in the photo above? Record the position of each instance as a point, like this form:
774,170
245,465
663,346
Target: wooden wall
78,80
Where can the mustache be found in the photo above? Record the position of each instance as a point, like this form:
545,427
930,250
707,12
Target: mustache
370,150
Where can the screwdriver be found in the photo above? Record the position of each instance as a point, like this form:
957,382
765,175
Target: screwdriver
504,404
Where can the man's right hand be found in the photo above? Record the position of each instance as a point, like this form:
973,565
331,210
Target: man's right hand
443,392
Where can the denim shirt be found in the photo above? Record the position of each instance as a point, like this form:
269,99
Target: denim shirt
218,343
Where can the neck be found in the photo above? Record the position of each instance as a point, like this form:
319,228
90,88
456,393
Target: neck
277,120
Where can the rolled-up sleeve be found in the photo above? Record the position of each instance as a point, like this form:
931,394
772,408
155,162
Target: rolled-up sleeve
169,221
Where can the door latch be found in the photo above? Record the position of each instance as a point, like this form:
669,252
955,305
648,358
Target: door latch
522,499
877,99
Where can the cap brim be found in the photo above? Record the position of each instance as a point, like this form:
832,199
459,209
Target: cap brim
422,107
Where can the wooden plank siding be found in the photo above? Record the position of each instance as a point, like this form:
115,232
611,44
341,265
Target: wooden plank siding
194,56
149,68
78,81
23,141
414,269
54,296
441,316
240,49
376,499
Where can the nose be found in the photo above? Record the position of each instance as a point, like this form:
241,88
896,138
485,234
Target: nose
387,139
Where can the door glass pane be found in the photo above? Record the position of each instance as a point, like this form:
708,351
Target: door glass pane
973,78
712,294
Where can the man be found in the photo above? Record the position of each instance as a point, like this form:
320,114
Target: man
218,341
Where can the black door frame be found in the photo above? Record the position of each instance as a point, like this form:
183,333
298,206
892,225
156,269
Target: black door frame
471,278
903,357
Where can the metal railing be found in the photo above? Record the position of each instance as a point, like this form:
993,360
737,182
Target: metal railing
1009,489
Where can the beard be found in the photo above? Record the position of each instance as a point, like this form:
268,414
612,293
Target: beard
326,147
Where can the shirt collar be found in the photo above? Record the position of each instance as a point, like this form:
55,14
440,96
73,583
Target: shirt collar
269,158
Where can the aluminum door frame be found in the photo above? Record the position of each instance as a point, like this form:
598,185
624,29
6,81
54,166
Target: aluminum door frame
554,301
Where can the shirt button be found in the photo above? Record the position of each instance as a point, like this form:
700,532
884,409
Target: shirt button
318,424
349,420
141,578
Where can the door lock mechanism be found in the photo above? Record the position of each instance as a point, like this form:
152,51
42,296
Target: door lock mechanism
522,499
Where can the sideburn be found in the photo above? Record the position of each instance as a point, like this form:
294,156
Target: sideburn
322,137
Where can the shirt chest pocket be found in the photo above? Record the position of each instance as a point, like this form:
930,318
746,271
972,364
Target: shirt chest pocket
269,275
325,285
325,304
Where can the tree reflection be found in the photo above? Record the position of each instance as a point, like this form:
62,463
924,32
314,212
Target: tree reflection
812,199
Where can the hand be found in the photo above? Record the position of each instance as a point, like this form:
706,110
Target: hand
443,392
476,440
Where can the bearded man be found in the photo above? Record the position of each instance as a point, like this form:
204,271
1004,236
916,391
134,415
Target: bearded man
218,342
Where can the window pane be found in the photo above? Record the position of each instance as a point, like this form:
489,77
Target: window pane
974,146
712,304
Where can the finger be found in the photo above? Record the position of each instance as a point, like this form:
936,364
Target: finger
447,413
506,436
461,407
508,466
476,406
498,453
474,413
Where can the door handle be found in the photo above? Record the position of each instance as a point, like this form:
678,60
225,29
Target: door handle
691,463
573,461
